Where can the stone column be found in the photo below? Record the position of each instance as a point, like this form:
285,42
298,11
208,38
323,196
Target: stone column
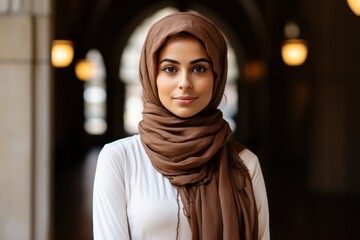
25,142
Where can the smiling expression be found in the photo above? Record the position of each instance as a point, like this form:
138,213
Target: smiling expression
185,77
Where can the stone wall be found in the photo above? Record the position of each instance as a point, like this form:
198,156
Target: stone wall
25,144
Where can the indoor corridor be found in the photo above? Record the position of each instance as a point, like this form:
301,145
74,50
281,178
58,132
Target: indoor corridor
299,113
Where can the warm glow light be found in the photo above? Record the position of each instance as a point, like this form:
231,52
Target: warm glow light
294,52
84,70
62,53
354,6
254,70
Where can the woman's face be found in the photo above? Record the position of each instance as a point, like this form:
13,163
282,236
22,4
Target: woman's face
185,77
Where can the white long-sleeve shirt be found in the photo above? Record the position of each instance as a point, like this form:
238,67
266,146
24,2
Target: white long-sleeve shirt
131,200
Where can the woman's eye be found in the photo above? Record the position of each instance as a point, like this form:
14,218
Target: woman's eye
200,69
169,69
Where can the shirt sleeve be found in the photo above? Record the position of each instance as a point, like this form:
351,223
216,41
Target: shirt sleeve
252,163
109,199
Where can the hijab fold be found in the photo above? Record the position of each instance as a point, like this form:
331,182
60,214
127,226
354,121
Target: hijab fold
197,154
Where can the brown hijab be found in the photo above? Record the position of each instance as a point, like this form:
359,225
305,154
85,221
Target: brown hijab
197,154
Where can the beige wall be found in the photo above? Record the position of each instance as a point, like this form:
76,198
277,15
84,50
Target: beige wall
25,119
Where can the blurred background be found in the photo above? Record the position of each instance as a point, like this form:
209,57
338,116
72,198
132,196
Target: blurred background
69,84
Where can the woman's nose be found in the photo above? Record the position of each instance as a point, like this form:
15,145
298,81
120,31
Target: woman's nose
185,83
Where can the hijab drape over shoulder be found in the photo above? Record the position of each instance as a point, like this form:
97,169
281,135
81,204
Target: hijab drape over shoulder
197,154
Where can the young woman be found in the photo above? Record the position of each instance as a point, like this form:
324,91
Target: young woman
182,176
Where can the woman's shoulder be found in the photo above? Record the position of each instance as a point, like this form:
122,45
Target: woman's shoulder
121,158
247,155
121,150
250,160
130,143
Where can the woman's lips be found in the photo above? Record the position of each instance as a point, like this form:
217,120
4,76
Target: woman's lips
185,99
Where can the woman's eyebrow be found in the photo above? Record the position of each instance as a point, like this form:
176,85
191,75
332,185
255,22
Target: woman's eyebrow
191,62
200,60
169,60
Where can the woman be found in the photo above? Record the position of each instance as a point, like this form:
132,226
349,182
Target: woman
182,176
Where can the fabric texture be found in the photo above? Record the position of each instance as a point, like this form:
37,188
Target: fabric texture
198,154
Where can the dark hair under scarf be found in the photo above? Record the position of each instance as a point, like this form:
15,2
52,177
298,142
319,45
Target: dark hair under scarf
197,154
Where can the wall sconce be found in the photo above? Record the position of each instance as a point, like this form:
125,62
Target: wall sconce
294,51
354,6
62,53
84,69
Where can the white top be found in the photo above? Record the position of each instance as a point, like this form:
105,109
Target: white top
131,200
